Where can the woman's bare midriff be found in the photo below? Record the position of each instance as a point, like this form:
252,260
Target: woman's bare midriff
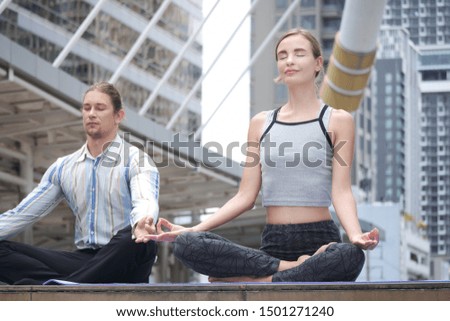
296,214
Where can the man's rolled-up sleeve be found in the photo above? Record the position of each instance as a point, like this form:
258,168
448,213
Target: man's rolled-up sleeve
144,187
41,201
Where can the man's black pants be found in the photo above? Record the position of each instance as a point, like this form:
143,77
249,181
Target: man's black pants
120,261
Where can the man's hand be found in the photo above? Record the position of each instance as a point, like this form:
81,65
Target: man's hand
167,232
144,226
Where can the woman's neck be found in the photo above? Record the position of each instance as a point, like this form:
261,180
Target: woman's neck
301,102
302,99
97,146
302,105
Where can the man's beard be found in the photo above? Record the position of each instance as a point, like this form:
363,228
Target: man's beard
94,133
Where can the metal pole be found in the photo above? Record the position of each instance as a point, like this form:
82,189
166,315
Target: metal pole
13,179
174,64
354,53
200,80
12,153
355,14
76,36
258,52
158,14
26,171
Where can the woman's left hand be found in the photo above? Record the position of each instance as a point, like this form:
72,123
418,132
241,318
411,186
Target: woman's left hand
170,235
368,240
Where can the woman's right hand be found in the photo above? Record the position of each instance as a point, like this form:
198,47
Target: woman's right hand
165,232
368,240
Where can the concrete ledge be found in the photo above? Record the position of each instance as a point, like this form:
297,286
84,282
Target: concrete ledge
391,291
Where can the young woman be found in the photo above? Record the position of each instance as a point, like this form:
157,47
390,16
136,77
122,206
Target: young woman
305,151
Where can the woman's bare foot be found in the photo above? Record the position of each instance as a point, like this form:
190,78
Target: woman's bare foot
286,265
241,279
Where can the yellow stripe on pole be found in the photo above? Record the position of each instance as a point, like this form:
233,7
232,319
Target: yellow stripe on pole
347,76
346,80
350,59
339,100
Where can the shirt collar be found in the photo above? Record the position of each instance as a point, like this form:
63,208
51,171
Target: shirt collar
115,145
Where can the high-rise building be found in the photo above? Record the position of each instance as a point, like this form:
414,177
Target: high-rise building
426,22
398,120
434,70
391,78
391,130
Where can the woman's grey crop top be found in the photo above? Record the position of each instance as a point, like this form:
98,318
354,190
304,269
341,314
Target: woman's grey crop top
296,161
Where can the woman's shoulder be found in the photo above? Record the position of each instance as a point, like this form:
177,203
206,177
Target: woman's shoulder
261,117
341,114
258,121
340,117
341,122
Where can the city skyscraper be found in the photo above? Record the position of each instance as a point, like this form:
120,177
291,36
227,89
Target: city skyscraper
434,68
427,23
398,131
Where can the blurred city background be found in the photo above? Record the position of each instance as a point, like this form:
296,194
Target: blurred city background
201,70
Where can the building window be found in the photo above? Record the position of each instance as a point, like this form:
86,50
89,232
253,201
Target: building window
388,89
308,22
308,3
389,194
332,24
388,123
389,170
388,135
434,75
388,77
281,4
388,100
388,181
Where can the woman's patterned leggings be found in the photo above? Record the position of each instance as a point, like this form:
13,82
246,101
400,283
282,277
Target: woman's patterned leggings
215,256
